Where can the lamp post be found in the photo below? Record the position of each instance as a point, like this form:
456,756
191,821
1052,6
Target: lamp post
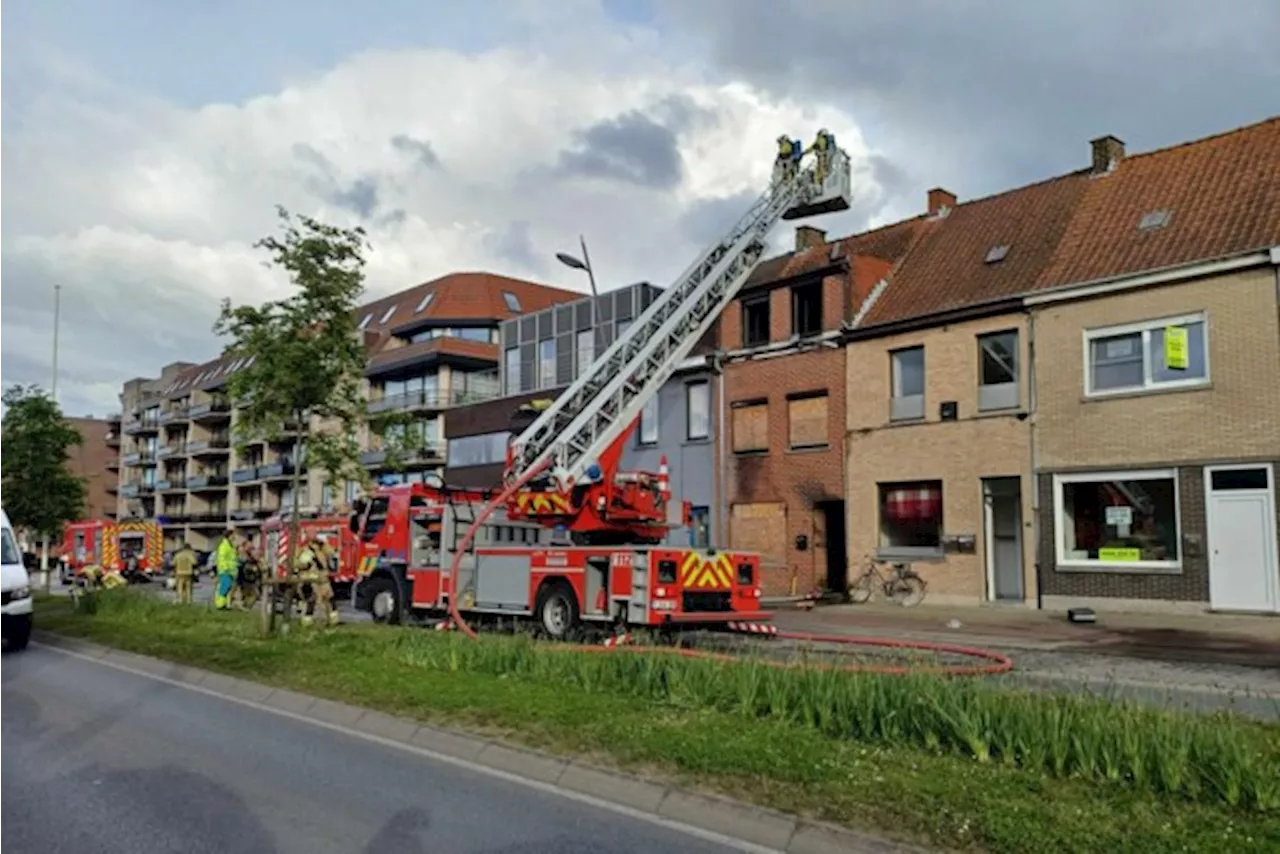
584,263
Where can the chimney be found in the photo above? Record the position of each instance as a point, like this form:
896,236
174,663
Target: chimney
939,199
808,237
1108,151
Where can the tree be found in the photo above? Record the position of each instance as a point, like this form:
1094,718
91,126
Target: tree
306,362
40,493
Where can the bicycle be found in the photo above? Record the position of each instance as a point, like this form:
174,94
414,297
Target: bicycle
902,585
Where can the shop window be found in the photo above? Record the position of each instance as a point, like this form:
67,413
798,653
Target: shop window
1116,521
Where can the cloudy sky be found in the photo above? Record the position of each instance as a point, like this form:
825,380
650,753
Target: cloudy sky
145,142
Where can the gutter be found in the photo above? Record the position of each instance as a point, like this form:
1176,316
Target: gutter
1159,276
1007,305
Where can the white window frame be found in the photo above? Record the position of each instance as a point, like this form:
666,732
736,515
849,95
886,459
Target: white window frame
1145,327
1154,567
547,366
364,321
908,407
704,388
649,418
386,315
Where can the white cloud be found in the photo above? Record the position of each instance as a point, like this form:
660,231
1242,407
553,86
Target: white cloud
146,212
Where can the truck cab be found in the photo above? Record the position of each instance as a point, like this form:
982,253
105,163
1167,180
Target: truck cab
15,590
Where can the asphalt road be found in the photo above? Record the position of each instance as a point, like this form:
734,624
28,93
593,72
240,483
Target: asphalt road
97,759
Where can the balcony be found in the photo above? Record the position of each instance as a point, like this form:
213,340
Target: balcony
140,426
139,458
248,474
129,490
207,481
113,438
209,518
279,469
175,519
432,399
429,454
166,451
173,416
172,484
113,464
211,411
208,447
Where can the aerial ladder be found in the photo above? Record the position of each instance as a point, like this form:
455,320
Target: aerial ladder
563,468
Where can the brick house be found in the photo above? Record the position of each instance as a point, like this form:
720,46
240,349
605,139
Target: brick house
96,460
1157,430
784,391
938,452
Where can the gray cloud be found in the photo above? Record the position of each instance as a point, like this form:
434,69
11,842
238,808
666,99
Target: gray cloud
711,219
630,147
419,149
983,95
515,244
359,196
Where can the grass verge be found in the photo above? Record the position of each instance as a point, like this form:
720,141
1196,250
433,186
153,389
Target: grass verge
955,764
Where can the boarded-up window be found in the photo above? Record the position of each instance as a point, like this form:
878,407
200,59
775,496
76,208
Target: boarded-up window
760,528
751,427
807,421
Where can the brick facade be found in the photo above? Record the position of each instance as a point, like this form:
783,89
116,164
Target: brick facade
959,453
93,460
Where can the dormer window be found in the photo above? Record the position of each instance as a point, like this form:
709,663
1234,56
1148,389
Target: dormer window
364,321
386,315
509,298
426,301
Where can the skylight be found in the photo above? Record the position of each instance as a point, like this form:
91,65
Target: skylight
387,315
249,361
426,301
365,322
1155,219
997,253
512,303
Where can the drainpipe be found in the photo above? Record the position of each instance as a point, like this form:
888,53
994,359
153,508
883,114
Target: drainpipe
1035,478
722,438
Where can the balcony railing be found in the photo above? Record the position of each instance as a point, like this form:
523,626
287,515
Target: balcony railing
209,517
244,475
279,469
172,484
430,453
177,413
164,451
139,458
212,445
218,408
136,426
179,517
207,481
129,490
433,399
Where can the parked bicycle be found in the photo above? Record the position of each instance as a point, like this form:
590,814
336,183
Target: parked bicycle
900,584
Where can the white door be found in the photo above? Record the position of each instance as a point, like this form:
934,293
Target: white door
1241,522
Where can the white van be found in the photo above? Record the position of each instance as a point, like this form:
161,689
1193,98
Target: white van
15,587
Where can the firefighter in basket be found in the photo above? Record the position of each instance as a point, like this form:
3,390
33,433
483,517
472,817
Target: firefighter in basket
823,148
787,163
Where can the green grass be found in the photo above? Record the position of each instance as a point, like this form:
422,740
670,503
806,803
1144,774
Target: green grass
956,763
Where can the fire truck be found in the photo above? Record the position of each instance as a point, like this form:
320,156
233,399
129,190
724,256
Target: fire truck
134,547
569,540
334,527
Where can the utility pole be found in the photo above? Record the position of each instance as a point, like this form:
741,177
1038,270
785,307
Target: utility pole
53,393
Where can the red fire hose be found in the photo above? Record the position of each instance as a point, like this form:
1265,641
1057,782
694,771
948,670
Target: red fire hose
995,662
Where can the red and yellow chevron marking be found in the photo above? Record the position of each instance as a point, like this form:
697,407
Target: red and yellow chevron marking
152,544
698,571
366,565
542,503
110,557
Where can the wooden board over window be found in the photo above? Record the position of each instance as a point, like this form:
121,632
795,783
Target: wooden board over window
751,427
760,528
807,421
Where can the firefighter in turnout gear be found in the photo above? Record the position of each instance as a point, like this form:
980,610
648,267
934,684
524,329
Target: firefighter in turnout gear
788,161
824,145
326,565
184,571
306,566
228,568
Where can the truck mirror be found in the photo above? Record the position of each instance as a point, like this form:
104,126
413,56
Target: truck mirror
354,523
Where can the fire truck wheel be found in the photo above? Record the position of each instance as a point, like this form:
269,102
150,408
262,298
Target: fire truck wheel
384,600
558,610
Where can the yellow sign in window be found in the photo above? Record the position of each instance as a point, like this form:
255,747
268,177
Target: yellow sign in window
1119,555
1175,348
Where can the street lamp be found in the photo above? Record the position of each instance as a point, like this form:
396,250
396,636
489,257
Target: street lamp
580,264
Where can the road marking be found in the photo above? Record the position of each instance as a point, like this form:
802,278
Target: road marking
549,788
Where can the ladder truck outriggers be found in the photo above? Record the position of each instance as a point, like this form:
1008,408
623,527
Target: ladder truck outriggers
570,541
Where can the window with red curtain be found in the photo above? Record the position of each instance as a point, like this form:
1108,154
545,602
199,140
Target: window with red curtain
911,515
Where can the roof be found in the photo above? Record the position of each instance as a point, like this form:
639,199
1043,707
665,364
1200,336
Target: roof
948,268
459,349
456,297
1222,195
889,243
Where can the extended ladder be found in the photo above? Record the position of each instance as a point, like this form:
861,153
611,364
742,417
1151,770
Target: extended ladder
592,414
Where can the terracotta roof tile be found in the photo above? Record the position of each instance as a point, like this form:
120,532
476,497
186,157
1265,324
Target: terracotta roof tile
888,243
1222,195
462,296
947,267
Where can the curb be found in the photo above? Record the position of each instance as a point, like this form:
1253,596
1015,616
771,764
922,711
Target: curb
758,827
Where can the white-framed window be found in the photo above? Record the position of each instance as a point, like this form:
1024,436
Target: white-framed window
513,304
364,321
586,350
649,422
425,301
547,363
998,370
1118,521
386,315
697,399
906,368
511,370
1167,353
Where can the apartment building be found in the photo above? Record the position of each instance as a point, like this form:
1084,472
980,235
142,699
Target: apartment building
1157,433
544,352
430,348
784,388
96,460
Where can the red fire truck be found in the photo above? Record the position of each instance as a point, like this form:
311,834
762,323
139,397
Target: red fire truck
335,528
570,539
134,547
